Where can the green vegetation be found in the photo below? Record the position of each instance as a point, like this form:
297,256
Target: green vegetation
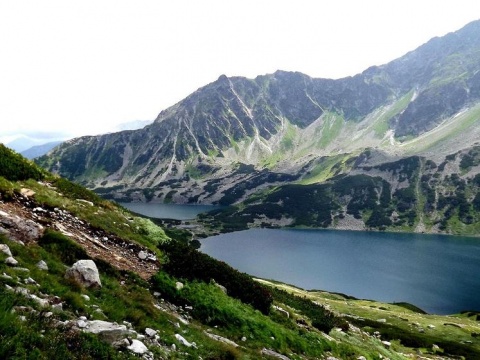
15,167
382,124
288,140
404,325
188,263
331,127
28,340
326,168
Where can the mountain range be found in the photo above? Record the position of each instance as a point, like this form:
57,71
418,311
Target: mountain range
394,147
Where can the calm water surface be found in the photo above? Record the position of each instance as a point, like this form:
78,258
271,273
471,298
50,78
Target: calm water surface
440,274
168,211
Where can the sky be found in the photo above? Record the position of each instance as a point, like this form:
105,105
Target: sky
83,67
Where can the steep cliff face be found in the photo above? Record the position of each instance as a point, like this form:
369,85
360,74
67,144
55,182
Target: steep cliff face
279,123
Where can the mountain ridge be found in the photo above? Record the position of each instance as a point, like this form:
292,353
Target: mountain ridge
281,125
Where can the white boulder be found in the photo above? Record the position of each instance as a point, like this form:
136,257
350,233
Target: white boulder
137,347
107,331
42,265
184,341
179,285
84,272
150,332
5,249
11,261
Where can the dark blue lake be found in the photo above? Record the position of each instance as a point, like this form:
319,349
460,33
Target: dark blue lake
439,274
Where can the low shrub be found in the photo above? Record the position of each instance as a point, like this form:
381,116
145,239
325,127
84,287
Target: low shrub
321,318
187,263
62,247
15,167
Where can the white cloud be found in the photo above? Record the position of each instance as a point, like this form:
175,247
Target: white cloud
83,67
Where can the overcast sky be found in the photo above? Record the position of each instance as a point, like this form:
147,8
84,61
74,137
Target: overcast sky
83,66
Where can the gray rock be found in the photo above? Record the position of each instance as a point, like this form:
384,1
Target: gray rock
22,291
85,297
6,276
85,202
387,344
20,229
221,339
183,341
221,287
107,331
142,255
361,358
121,343
5,249
57,307
179,285
274,354
11,261
84,272
127,324
42,265
82,324
150,332
30,281
283,311
137,347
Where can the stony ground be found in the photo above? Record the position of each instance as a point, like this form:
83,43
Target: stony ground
24,220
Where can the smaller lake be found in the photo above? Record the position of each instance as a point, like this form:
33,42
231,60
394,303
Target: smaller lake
436,273
168,211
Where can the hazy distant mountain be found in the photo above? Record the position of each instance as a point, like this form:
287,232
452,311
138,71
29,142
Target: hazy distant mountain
236,136
39,150
26,139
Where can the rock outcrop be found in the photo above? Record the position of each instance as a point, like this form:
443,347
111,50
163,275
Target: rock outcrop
84,272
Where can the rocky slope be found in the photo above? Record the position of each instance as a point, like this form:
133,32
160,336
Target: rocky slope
411,194
422,103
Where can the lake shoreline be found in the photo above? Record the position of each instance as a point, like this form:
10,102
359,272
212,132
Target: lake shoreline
427,270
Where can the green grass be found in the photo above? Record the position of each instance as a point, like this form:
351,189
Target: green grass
332,126
451,130
288,140
323,170
381,124
403,322
216,309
